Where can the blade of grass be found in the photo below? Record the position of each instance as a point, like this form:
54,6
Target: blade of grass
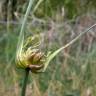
36,6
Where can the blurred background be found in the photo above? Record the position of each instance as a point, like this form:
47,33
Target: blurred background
73,71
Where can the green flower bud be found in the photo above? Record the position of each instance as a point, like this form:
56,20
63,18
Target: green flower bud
31,58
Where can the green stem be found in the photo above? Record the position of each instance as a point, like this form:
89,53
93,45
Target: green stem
25,82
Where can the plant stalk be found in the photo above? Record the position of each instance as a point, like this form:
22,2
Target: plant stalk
23,92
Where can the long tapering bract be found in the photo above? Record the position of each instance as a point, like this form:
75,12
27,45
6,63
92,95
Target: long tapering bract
60,49
21,36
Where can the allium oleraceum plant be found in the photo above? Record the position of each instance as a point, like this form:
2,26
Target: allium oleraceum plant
29,57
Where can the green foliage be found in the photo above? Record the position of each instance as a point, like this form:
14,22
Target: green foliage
50,7
72,72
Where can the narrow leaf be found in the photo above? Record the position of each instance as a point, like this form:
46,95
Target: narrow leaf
60,49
